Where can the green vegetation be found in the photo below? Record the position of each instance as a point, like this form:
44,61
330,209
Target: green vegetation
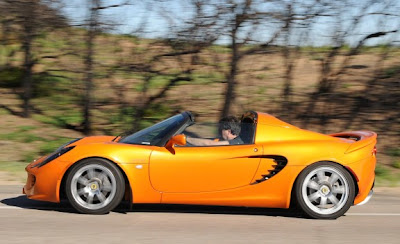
4,111
51,146
47,84
220,49
51,42
16,169
29,157
44,83
62,119
261,90
46,120
394,153
390,72
154,82
21,135
322,49
346,85
396,164
262,76
11,77
378,48
207,77
386,177
381,171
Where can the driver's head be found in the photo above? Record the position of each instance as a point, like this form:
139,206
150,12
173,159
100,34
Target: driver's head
229,125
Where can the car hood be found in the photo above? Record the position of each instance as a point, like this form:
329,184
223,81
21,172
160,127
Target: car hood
104,147
93,139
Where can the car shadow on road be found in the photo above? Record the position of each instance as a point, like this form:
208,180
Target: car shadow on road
25,203
202,209
126,208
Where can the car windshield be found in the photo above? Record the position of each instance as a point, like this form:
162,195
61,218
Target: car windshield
154,134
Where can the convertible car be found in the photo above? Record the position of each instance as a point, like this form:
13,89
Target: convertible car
277,166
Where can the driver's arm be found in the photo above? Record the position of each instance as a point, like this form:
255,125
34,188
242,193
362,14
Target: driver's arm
205,142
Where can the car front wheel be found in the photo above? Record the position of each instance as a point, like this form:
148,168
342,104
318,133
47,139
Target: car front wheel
325,190
95,186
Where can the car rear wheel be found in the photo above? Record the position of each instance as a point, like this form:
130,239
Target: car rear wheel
95,186
325,190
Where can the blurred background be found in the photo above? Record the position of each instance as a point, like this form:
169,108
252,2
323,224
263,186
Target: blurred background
70,68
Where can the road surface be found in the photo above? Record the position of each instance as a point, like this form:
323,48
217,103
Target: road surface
28,221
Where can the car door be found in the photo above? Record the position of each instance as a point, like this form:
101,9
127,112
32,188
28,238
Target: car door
203,169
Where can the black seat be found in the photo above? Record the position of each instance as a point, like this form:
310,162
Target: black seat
247,131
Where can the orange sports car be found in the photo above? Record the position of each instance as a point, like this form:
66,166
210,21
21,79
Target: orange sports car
275,165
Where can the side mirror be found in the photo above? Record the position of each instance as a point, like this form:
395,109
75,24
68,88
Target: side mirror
178,140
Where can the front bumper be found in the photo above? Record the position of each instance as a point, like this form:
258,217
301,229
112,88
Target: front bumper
28,189
43,183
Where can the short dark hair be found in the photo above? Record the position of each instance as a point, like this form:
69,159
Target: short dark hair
230,123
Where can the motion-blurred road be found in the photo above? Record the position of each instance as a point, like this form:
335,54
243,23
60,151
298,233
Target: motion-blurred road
27,221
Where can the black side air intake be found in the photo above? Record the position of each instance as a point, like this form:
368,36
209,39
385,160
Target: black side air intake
280,163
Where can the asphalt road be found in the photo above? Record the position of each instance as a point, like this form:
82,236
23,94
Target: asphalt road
28,221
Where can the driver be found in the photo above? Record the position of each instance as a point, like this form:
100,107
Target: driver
229,128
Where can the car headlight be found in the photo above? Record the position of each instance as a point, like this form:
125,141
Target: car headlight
60,151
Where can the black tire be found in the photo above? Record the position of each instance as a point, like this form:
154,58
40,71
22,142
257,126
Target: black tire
324,190
95,186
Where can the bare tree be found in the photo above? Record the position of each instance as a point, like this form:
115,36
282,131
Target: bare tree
94,26
246,19
243,19
342,31
29,18
186,42
6,31
298,18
